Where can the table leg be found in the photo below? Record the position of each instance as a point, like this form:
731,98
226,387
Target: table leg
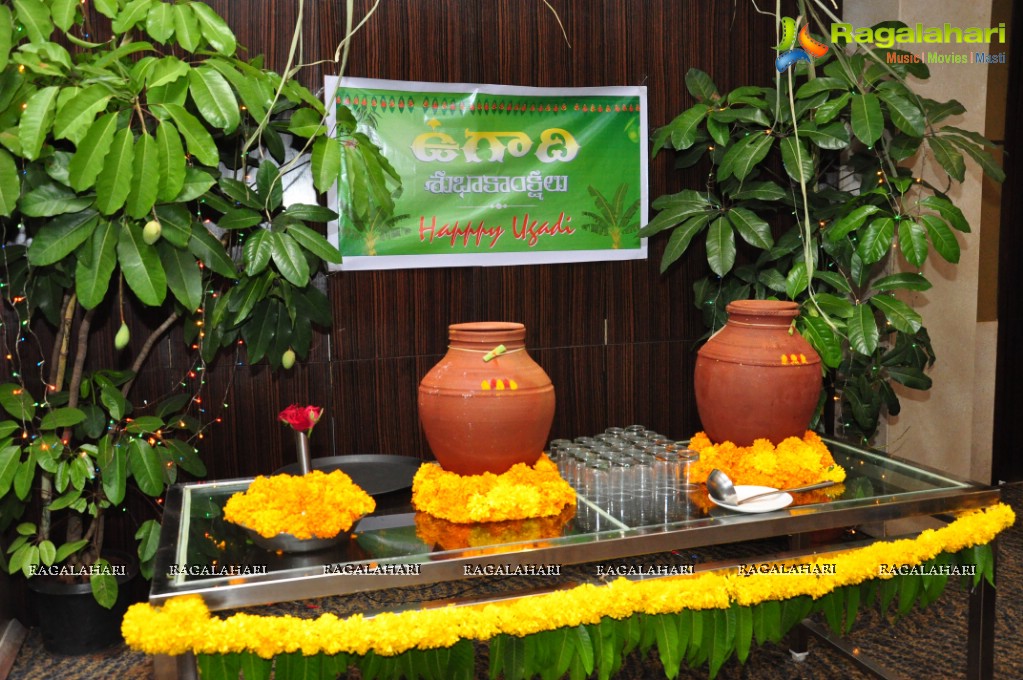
174,667
980,641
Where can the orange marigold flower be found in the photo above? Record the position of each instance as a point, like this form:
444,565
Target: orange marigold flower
522,492
793,462
318,504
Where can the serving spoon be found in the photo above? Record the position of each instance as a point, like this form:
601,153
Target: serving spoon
721,489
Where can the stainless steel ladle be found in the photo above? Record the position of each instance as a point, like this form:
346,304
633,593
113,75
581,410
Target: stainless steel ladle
721,489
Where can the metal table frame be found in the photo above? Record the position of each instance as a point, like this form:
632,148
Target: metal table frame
937,494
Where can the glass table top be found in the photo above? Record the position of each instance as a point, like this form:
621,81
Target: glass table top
201,552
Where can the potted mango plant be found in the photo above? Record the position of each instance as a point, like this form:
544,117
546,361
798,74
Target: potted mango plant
810,197
141,188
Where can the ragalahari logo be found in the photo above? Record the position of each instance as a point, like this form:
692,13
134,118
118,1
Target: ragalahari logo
808,50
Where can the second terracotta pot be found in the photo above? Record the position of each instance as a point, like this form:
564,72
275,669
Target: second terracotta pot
485,416
757,378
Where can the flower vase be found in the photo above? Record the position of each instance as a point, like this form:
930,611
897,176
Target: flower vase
302,452
757,378
486,405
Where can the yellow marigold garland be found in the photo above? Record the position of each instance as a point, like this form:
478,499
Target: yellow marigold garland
184,624
523,492
793,462
318,504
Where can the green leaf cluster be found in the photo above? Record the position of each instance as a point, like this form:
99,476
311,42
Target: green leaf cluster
144,168
835,132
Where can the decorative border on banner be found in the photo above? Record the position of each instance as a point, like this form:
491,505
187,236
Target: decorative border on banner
498,100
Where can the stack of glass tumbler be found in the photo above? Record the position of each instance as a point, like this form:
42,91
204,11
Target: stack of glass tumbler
632,474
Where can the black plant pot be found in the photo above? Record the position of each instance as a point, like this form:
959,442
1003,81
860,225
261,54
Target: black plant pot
70,619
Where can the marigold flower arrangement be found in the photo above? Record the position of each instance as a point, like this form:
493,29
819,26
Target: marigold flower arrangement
522,492
184,624
793,462
316,505
482,537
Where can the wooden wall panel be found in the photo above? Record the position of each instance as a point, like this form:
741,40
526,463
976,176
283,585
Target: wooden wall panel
618,339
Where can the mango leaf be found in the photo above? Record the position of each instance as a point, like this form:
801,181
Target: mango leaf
183,276
37,118
35,19
144,465
166,70
176,222
939,111
17,401
207,248
288,257
170,156
104,585
133,13
905,114
952,214
831,137
239,218
75,117
905,281
61,417
198,141
947,156
10,182
141,266
115,475
60,236
255,98
981,157
214,29
186,457
876,240
314,243
326,163
88,159
49,200
666,633
744,156
754,230
682,130
114,181
944,241
830,109
898,313
867,119
197,182
148,537
93,270
796,281
863,333
213,96
186,27
10,457
142,189
268,185
681,236
6,31
797,160
761,191
913,242
160,22
720,246
257,252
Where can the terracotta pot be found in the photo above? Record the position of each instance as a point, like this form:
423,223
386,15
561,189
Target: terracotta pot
485,416
757,377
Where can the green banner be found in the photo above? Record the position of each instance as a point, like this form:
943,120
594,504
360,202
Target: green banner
496,175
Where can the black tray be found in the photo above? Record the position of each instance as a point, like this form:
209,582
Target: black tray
377,474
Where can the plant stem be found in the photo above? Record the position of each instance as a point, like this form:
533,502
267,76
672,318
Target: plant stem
147,347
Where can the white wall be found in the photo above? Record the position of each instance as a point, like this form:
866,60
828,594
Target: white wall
950,427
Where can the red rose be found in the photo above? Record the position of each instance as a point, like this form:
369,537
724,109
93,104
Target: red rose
301,418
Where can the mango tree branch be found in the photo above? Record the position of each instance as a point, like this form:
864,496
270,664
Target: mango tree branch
147,347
